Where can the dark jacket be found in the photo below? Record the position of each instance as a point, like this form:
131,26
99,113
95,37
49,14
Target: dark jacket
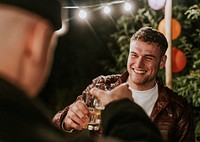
22,121
171,113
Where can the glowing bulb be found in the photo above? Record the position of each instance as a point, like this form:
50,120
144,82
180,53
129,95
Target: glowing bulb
127,6
106,9
82,14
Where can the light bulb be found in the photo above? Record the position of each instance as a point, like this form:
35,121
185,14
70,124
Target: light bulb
127,6
106,9
82,14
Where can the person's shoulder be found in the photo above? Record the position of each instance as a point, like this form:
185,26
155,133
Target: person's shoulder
171,94
107,78
177,99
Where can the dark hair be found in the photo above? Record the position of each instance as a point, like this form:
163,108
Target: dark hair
148,34
49,9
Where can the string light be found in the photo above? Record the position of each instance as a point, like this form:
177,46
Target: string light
82,14
96,5
127,6
105,7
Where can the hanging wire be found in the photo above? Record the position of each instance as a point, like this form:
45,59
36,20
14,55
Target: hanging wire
95,5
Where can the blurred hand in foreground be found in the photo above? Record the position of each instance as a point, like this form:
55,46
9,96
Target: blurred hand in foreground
118,93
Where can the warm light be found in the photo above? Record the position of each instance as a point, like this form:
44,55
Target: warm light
127,6
82,14
106,10
179,60
176,28
156,4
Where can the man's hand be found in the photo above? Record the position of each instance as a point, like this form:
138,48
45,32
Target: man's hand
118,93
77,116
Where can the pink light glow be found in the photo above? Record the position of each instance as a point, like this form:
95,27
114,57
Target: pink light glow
156,4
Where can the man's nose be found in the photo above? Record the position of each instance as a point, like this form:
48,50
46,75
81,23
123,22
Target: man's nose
139,62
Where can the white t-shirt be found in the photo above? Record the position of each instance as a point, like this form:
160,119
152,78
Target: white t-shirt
146,99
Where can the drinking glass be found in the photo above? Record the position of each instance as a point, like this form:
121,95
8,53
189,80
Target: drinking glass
95,107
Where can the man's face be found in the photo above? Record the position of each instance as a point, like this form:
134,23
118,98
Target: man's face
50,56
143,64
43,69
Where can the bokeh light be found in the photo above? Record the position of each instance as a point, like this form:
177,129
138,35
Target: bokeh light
107,9
82,14
127,6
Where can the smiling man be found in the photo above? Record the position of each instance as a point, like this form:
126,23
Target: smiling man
28,37
169,111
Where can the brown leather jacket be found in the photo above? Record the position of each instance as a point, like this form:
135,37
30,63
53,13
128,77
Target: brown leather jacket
171,113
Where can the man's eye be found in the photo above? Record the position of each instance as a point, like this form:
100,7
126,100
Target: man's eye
134,55
148,58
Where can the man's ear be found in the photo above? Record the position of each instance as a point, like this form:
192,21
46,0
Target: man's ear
38,40
163,61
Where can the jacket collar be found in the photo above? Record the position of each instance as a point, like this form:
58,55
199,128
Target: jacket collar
163,98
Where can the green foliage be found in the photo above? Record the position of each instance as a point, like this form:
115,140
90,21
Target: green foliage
186,82
127,26
188,86
193,12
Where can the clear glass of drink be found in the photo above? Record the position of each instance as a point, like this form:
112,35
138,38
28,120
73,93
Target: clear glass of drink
95,107
95,115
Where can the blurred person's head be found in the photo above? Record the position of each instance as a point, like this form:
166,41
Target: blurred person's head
27,41
146,57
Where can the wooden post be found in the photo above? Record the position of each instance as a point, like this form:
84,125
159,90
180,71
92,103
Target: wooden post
168,25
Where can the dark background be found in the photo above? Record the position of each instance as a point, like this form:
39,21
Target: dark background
79,57
82,53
